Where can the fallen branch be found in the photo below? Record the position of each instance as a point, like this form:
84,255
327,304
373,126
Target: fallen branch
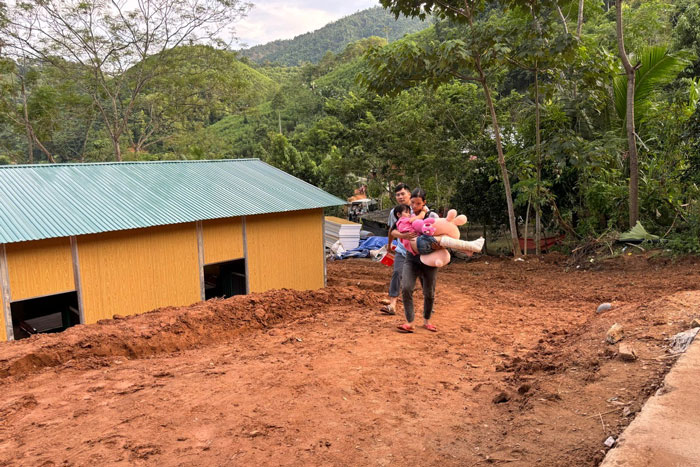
612,253
672,224
500,459
564,225
604,413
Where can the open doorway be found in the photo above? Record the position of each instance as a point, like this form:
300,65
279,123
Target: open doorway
51,313
224,279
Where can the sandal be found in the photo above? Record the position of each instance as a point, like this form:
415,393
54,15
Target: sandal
388,310
430,327
405,328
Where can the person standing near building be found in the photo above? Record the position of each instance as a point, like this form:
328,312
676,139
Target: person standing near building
402,194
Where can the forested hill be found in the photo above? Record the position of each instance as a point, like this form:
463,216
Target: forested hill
334,37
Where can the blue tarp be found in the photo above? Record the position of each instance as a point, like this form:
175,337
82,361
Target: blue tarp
362,250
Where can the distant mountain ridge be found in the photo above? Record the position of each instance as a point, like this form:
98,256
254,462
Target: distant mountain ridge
333,37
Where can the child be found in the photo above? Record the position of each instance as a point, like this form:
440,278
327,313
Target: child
404,219
426,243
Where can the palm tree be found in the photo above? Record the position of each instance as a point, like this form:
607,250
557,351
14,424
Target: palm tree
659,67
654,68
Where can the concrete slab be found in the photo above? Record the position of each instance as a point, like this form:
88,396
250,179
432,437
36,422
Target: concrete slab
667,430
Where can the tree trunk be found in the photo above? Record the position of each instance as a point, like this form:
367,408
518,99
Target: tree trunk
563,20
27,126
538,150
30,144
437,193
632,145
538,230
43,149
31,136
501,160
486,243
527,224
117,148
87,135
579,25
562,223
630,71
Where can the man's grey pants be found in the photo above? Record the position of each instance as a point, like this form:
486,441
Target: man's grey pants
395,284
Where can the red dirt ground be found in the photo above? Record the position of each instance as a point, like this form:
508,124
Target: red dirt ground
309,378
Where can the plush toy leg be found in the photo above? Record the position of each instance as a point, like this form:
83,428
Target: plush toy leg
463,245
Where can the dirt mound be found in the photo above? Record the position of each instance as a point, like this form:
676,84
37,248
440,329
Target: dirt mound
519,372
584,346
171,329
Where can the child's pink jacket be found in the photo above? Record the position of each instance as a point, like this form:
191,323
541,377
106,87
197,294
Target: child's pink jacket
403,225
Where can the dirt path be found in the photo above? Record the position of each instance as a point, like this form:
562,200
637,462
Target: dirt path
322,378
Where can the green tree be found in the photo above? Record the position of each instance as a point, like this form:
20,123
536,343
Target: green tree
202,86
30,100
658,67
654,68
470,52
686,30
630,74
538,46
95,43
283,155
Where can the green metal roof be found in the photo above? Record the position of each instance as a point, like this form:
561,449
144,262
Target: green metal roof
60,200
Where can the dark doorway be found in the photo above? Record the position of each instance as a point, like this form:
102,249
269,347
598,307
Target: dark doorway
224,279
52,313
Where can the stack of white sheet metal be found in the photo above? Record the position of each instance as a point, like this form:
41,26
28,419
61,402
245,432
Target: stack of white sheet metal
344,230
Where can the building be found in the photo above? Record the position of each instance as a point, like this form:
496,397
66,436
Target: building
83,242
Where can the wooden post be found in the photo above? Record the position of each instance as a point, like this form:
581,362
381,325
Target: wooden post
5,290
323,248
76,277
245,255
200,257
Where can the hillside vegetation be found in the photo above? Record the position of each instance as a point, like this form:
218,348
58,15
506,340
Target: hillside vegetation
333,37
415,110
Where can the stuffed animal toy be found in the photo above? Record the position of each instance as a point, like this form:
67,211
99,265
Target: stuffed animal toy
424,226
447,231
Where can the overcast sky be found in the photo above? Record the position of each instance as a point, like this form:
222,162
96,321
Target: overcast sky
283,19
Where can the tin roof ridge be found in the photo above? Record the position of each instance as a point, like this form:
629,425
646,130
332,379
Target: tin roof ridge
93,164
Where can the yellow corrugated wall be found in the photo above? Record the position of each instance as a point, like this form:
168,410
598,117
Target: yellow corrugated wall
285,250
222,239
41,267
134,271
